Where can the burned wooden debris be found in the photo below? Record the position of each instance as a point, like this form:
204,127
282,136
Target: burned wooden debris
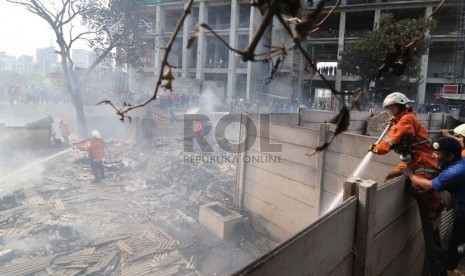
141,220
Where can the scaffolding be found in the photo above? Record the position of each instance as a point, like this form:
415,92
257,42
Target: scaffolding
460,47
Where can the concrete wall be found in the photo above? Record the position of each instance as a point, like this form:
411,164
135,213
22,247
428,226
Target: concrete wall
359,120
150,129
282,195
381,237
288,196
322,248
343,157
19,140
313,119
397,236
102,117
285,118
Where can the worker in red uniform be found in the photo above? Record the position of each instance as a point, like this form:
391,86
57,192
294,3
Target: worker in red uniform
197,128
96,149
408,137
64,129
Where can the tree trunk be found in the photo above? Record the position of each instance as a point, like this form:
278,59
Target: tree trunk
71,80
366,89
80,116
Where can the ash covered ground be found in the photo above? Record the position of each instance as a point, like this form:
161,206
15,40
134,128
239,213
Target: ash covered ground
142,219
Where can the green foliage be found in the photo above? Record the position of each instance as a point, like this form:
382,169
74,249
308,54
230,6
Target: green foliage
364,57
118,24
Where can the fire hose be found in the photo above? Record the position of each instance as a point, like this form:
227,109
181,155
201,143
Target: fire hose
384,133
430,258
439,131
78,143
368,156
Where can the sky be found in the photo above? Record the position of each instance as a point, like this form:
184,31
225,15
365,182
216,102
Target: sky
21,32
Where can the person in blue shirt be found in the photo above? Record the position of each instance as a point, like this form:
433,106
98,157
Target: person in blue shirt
447,153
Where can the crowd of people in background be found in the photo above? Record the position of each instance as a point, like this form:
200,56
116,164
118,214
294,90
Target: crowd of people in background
328,70
15,94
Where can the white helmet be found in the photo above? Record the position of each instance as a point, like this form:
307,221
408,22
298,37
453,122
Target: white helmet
395,98
96,134
460,130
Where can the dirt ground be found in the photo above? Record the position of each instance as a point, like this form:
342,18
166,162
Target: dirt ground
142,219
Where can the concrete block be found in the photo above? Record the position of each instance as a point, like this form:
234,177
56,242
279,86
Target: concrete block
219,220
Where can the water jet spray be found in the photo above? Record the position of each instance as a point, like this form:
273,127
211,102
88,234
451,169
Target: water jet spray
368,156
338,199
5,188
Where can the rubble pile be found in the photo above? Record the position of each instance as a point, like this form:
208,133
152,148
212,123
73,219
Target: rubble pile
142,219
377,123
198,182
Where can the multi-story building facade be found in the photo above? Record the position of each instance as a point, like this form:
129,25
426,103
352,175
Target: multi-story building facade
7,63
25,64
82,58
235,22
47,60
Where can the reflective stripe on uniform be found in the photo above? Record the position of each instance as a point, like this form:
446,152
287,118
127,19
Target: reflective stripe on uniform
390,143
425,170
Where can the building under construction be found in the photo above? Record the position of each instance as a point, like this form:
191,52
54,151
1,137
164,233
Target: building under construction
235,22
168,207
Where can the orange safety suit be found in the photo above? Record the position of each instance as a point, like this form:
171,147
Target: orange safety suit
96,148
64,129
197,128
423,164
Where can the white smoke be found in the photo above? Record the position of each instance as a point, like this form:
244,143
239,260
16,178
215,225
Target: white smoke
210,101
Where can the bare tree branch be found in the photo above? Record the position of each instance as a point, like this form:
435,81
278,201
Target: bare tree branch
267,18
310,60
204,25
122,111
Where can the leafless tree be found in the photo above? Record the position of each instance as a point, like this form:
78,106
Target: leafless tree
107,25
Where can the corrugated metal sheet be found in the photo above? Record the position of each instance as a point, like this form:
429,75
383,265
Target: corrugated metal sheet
445,229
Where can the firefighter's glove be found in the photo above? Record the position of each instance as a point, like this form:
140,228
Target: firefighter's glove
373,148
391,120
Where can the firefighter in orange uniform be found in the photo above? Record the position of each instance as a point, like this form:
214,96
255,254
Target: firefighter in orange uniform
197,128
408,137
96,149
64,129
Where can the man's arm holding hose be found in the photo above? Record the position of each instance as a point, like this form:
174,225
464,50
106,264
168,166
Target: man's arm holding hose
417,181
402,128
80,143
372,147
